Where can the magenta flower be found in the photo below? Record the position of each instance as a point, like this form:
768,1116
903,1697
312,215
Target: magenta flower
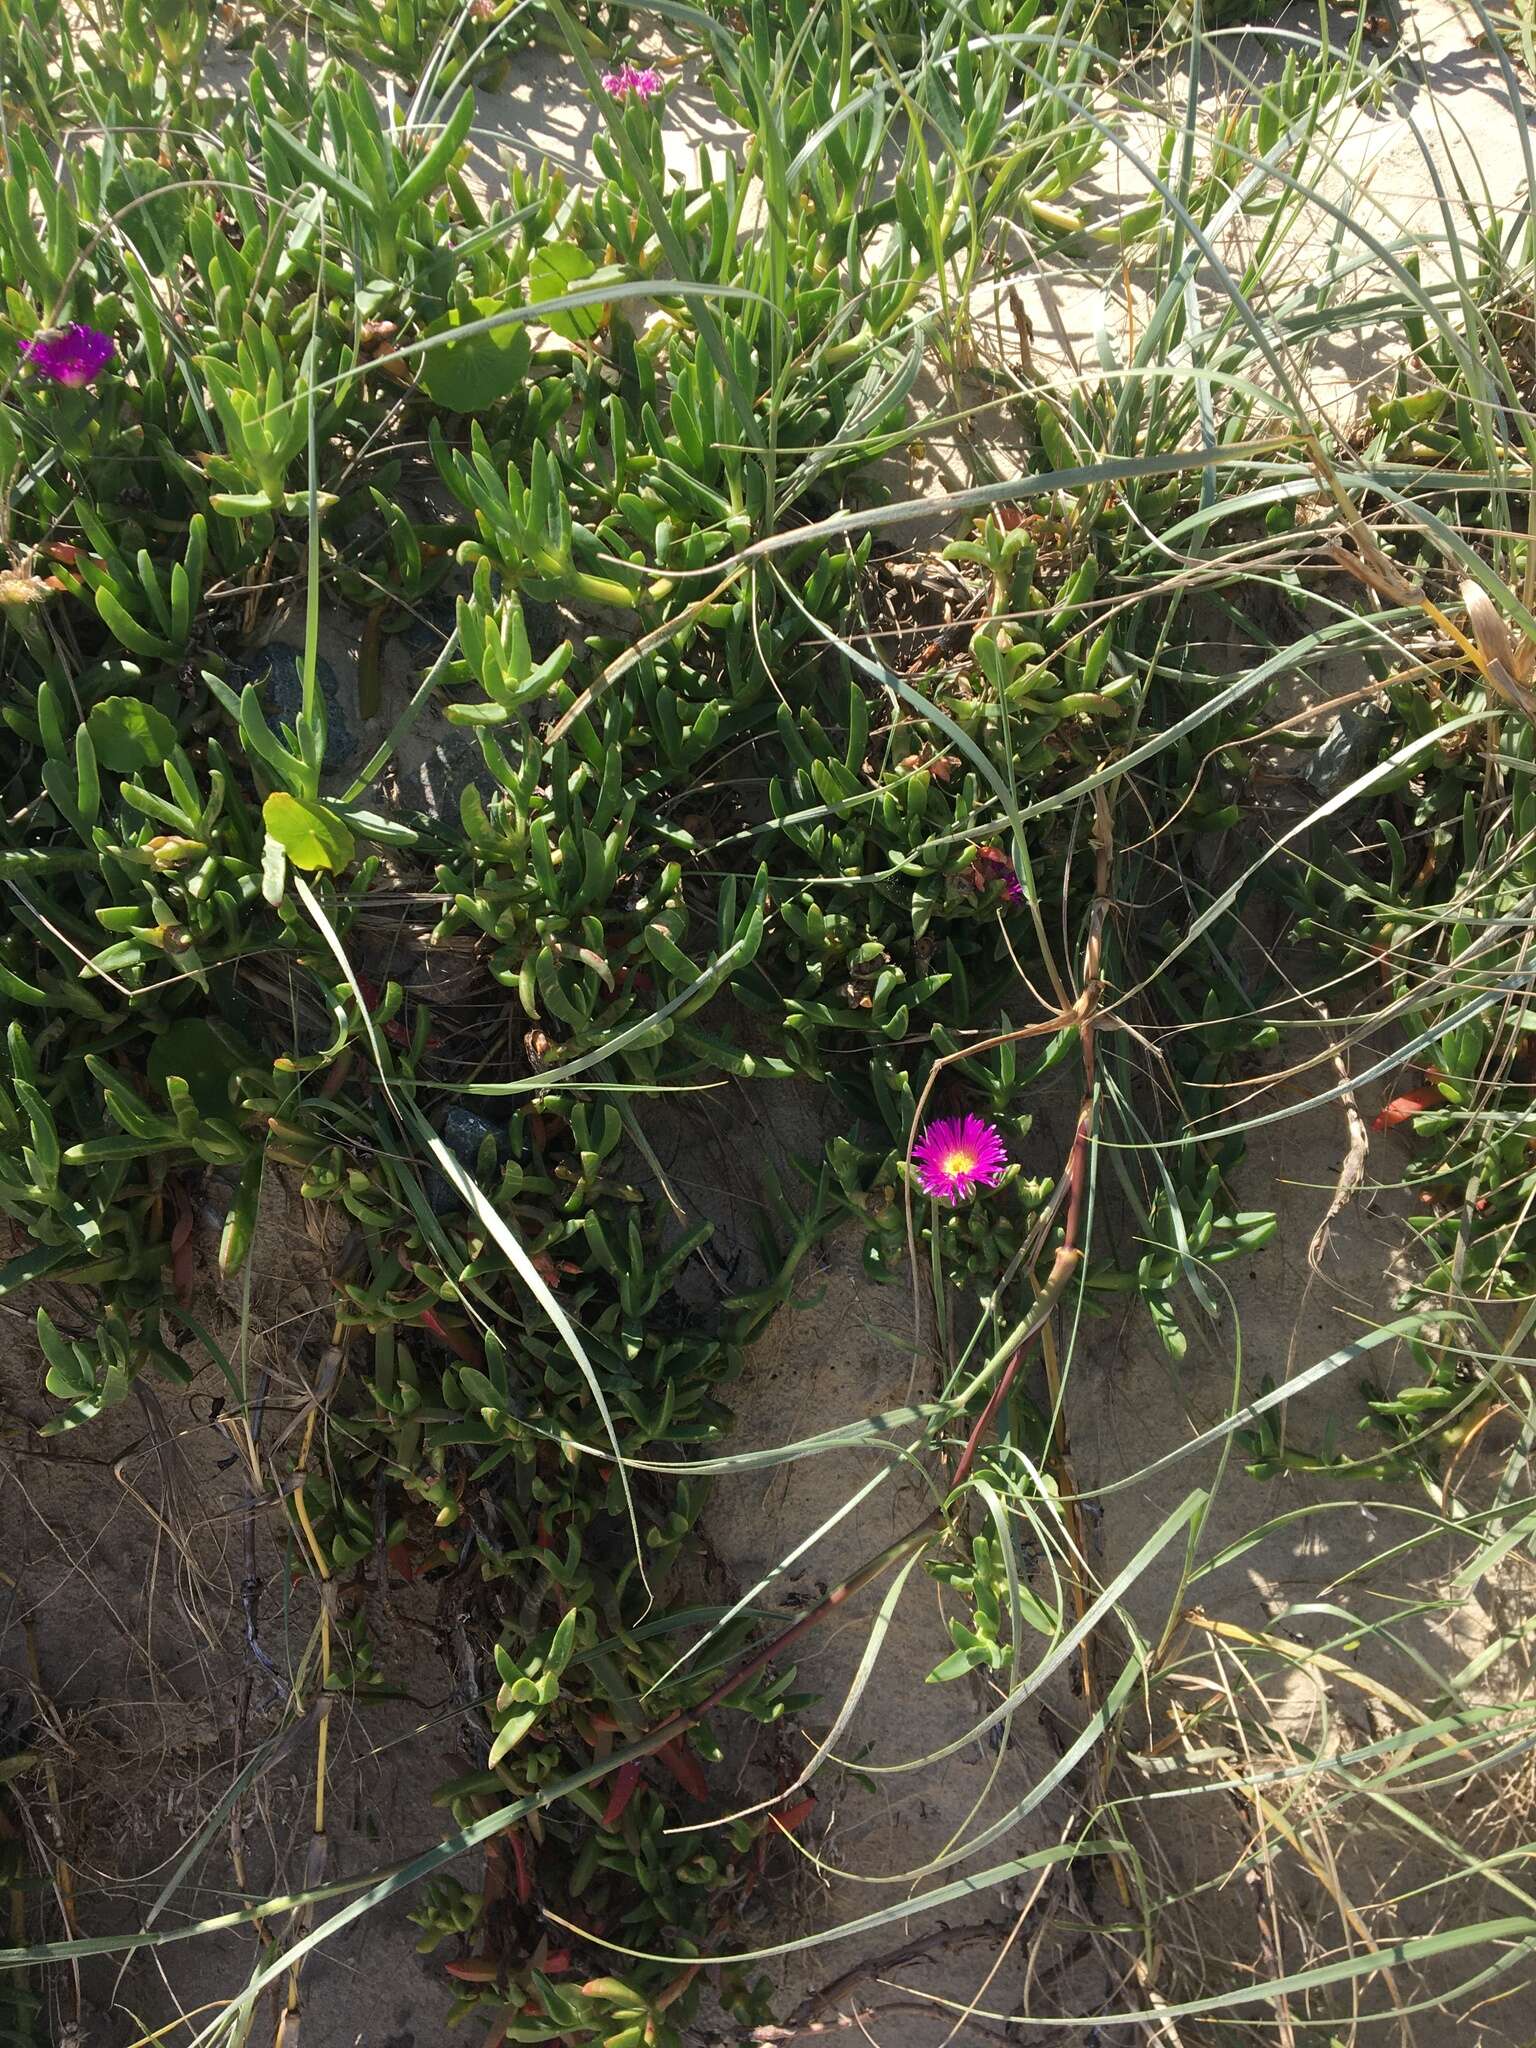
991,865
628,83
70,355
958,1153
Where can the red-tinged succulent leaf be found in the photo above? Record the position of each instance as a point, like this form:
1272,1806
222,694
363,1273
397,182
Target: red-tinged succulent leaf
624,1783
684,1766
1403,1108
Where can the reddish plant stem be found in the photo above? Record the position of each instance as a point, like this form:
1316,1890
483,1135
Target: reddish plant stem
839,1596
1062,1268
1064,1265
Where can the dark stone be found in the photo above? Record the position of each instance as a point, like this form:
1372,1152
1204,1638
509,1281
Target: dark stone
462,1132
465,1130
442,768
275,671
1352,748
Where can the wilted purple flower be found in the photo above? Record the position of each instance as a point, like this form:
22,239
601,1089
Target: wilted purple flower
70,355
629,83
958,1153
991,865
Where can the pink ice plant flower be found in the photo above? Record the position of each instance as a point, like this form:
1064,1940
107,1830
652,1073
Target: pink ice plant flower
992,865
71,355
958,1153
629,83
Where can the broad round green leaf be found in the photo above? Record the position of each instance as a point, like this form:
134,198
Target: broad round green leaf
479,370
310,835
202,1054
151,202
556,269
128,734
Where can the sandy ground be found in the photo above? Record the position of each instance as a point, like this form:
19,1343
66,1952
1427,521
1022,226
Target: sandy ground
121,1617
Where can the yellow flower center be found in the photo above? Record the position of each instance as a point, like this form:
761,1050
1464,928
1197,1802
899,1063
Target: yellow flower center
957,1162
